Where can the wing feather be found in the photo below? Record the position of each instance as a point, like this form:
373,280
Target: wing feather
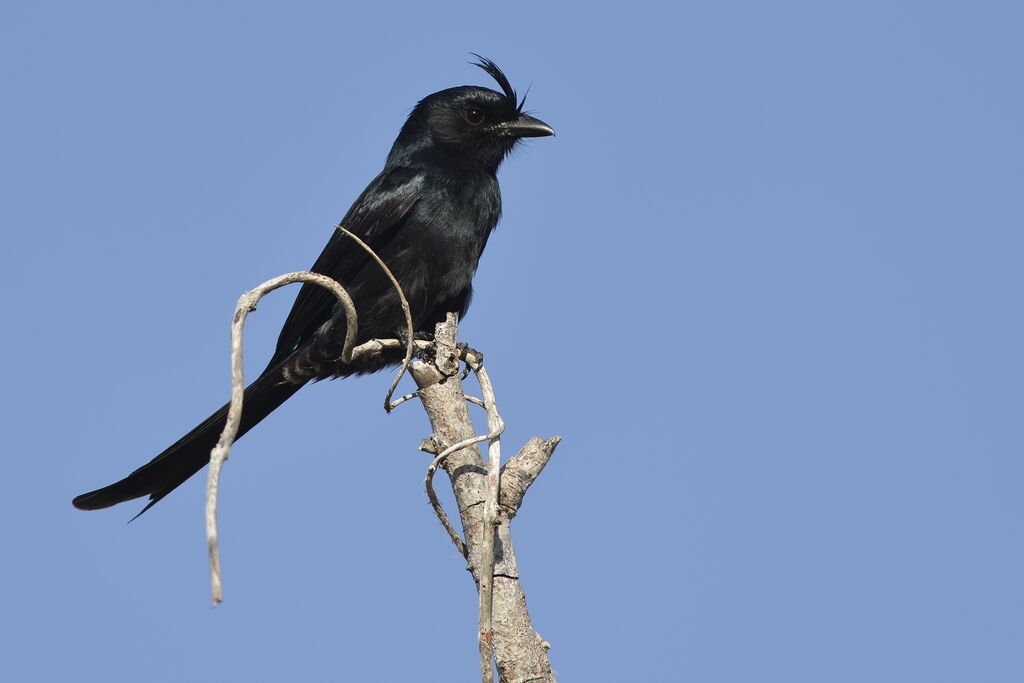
382,208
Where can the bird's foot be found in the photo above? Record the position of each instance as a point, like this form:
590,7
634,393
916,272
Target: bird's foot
470,356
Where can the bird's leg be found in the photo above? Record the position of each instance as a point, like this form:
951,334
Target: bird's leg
470,356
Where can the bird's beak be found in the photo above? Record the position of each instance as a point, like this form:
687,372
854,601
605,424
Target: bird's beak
525,126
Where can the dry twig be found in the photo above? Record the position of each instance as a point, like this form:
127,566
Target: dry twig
409,332
246,304
496,426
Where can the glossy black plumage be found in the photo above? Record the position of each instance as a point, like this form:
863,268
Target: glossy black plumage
428,215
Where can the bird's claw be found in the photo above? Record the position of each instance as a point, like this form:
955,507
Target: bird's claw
471,357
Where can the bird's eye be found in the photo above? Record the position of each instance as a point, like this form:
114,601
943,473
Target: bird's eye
474,116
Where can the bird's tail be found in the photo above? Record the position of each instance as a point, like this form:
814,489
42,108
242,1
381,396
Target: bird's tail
170,469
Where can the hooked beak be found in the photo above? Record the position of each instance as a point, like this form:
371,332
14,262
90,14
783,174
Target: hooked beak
524,126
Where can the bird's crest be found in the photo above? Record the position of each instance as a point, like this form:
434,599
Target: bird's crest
498,75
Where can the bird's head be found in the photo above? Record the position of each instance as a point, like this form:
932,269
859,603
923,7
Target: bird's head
469,125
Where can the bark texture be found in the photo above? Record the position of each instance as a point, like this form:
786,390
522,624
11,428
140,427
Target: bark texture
521,654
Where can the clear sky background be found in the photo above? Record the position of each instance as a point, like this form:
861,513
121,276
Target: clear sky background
766,283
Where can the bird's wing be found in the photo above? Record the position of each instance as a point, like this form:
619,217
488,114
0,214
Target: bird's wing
382,207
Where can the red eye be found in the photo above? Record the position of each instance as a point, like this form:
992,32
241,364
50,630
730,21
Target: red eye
474,116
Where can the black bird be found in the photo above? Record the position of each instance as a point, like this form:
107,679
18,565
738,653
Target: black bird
427,215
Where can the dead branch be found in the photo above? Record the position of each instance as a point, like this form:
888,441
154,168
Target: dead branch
409,332
246,304
487,497
520,653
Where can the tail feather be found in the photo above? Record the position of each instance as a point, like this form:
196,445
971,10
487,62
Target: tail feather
190,453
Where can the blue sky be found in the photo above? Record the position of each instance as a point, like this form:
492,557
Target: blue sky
766,283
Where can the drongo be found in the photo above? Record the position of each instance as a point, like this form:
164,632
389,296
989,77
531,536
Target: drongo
428,215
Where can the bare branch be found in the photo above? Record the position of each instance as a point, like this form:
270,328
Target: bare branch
522,470
246,304
410,333
496,426
432,494
487,497
521,654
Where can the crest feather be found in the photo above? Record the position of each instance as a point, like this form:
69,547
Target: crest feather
498,75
